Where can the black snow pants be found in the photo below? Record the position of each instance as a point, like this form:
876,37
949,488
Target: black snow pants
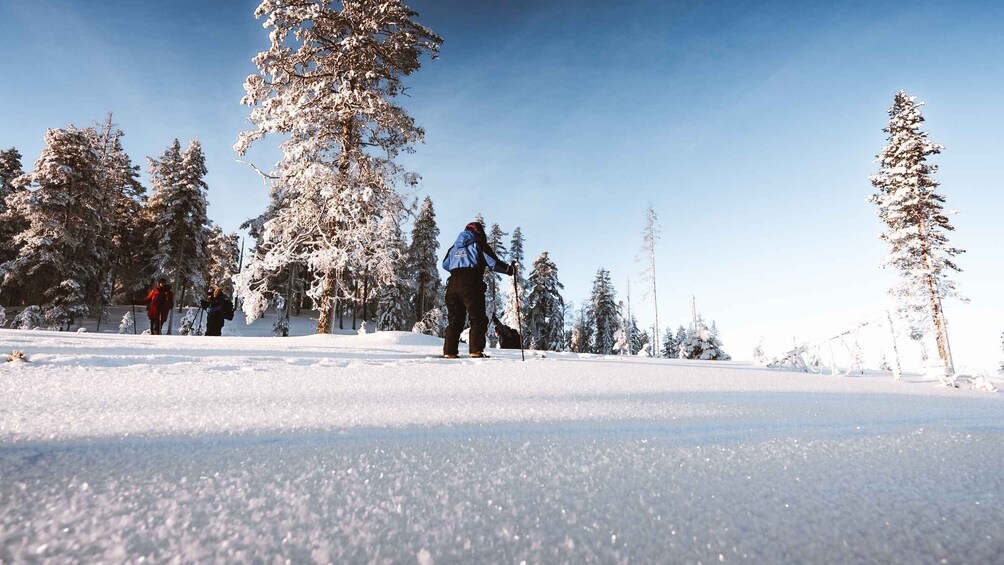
214,324
465,296
156,325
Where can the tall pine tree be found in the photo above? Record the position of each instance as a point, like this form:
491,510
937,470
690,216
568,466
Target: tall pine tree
120,178
545,306
670,347
493,281
912,210
423,263
650,237
12,220
64,247
327,83
515,302
392,276
222,256
581,338
603,313
176,212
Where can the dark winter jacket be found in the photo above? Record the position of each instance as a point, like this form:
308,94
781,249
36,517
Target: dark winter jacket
471,251
218,306
508,337
159,303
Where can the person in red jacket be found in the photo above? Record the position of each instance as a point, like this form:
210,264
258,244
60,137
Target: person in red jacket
158,305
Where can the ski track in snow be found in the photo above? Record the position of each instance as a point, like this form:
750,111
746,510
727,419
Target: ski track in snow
368,448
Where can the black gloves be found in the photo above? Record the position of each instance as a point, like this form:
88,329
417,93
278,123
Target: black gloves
512,269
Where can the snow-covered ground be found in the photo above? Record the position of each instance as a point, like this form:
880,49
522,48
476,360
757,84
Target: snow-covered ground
368,448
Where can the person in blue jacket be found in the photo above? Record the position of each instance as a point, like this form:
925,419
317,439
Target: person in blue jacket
218,309
466,261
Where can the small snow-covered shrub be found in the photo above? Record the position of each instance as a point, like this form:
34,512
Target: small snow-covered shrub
17,357
81,330
884,364
29,318
3,317
364,328
126,323
185,326
982,382
432,323
281,326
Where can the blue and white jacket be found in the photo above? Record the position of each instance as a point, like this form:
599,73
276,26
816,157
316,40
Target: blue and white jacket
468,252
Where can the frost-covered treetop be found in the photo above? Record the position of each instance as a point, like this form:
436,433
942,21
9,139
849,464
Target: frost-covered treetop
347,63
907,200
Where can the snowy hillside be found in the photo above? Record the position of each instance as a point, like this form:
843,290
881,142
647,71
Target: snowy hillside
365,448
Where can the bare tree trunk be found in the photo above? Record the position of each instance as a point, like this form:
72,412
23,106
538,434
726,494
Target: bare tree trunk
655,303
940,327
628,328
325,319
937,314
366,286
355,306
177,279
421,298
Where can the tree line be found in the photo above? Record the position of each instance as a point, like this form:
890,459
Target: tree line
79,231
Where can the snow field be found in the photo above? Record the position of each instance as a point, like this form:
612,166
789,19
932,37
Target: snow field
368,448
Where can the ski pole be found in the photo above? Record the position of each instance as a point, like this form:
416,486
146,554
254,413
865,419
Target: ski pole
134,332
519,308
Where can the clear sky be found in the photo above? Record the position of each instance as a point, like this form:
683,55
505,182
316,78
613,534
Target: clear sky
751,127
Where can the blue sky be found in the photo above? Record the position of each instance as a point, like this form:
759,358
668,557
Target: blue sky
751,128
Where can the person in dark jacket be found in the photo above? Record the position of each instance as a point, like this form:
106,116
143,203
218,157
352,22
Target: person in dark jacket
158,305
466,261
508,337
218,309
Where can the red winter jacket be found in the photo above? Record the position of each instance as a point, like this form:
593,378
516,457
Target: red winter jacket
159,303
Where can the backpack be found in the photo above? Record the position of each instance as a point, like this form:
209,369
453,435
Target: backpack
228,310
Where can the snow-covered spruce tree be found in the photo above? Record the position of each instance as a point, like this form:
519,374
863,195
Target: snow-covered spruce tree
494,298
670,347
389,268
644,344
603,313
127,324
222,254
494,294
650,236
911,208
179,227
621,344
28,319
545,306
433,323
327,83
638,339
120,178
423,262
681,338
63,248
701,344
11,220
515,309
581,337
